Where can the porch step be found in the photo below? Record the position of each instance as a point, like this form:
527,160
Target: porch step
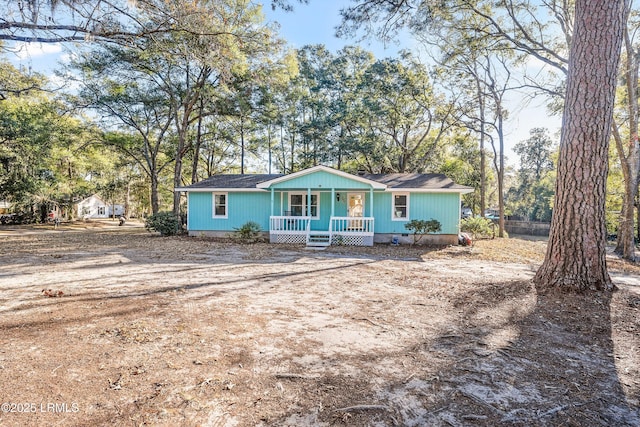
319,239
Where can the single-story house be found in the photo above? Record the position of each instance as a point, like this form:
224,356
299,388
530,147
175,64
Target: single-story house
94,207
323,206
4,206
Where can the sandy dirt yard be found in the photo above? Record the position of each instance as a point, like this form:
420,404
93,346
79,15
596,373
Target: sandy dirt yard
115,326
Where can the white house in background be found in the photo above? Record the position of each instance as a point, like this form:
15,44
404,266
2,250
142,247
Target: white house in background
4,206
94,207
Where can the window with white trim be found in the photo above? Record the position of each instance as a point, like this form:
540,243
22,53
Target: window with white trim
220,208
298,205
400,207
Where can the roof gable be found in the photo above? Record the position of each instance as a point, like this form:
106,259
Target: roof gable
319,177
94,198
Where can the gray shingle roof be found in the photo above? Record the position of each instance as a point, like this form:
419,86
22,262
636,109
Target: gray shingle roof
234,181
426,181
430,181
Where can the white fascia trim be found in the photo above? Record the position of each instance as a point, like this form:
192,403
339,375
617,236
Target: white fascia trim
376,185
220,190
430,190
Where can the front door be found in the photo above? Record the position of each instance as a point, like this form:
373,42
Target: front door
355,209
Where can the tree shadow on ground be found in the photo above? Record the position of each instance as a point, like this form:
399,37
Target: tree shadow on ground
552,364
559,370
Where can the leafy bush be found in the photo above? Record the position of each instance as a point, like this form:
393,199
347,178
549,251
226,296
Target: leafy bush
166,223
612,220
477,226
420,227
248,232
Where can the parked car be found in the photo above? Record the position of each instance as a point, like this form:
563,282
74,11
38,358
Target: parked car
492,214
8,219
466,213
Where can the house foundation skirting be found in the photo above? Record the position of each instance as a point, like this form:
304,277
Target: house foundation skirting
351,240
338,239
407,239
288,238
220,234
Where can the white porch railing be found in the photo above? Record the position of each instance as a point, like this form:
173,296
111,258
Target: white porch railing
289,224
356,231
352,225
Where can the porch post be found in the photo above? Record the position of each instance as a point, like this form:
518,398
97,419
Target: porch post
272,200
371,202
308,201
333,201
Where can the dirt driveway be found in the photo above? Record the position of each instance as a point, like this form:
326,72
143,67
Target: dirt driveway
135,329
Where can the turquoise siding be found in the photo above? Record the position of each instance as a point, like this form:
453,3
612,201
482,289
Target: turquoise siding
443,207
241,207
325,213
320,180
256,206
250,206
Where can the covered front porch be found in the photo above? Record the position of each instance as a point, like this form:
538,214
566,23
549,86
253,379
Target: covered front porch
321,207
318,217
356,231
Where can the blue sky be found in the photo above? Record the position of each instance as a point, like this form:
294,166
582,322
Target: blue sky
40,57
309,23
315,23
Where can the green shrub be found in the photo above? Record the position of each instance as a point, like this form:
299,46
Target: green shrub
477,226
248,232
420,227
612,220
166,223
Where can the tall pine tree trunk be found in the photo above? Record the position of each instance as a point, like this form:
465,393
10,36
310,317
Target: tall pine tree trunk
638,214
155,200
242,149
127,200
198,143
177,182
481,111
501,175
576,257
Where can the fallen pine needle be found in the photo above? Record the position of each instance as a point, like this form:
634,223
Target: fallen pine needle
363,408
289,376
